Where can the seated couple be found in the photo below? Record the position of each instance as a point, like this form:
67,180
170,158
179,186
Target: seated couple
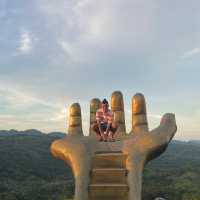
105,127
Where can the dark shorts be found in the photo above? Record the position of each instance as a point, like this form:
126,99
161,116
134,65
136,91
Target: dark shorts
95,127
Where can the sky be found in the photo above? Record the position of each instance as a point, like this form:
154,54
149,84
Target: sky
57,52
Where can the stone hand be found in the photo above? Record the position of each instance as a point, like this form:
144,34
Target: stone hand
140,145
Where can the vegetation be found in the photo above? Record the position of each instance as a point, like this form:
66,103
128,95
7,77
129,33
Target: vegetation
29,172
175,175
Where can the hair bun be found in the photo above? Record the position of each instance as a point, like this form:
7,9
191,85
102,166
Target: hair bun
105,101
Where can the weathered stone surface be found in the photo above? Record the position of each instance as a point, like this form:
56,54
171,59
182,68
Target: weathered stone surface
108,175
75,120
117,106
139,114
112,175
90,159
109,159
107,190
94,106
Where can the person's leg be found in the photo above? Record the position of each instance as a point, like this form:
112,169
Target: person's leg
113,130
104,127
95,128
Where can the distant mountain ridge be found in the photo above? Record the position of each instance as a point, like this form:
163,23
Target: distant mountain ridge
195,141
31,132
35,132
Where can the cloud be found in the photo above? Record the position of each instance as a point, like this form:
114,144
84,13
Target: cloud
3,10
19,98
191,53
25,43
155,116
59,116
72,51
90,30
22,110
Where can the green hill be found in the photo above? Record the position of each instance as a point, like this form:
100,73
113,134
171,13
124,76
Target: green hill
175,175
29,172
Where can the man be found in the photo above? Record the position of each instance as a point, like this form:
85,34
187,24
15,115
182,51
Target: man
105,127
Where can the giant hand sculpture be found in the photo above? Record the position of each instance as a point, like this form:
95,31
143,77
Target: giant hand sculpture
139,146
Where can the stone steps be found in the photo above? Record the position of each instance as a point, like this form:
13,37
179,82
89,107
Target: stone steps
108,190
108,177
109,160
